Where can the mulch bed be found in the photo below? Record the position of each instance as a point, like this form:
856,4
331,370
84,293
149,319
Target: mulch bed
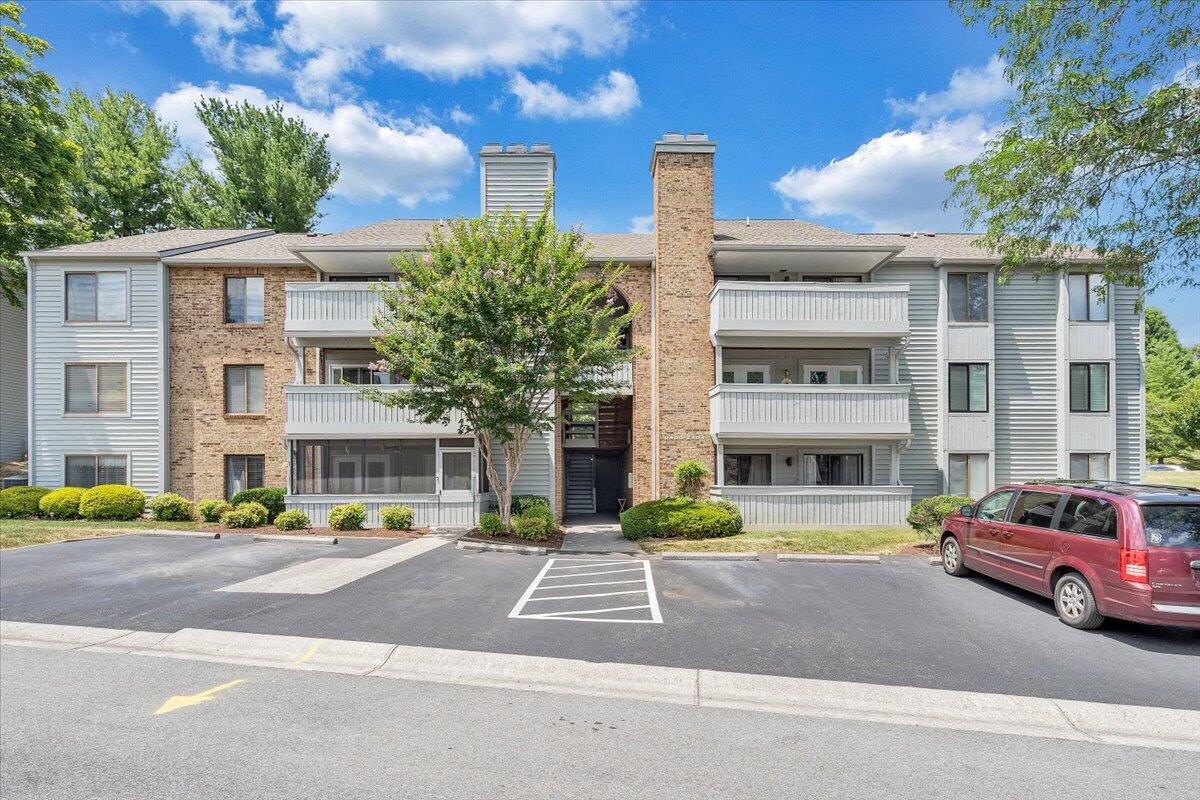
553,541
918,549
375,533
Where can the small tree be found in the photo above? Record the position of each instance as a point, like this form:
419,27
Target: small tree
499,320
691,479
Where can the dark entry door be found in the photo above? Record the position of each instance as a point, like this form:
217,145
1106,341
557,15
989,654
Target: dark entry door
608,483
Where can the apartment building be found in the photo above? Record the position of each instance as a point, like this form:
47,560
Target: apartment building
826,377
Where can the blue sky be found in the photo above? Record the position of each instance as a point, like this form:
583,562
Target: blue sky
843,113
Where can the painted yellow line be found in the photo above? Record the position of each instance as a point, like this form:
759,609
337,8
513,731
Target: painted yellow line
178,701
309,653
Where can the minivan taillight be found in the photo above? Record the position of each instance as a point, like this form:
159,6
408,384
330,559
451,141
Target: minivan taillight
1133,566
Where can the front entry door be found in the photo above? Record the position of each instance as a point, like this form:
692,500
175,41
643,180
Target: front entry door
581,482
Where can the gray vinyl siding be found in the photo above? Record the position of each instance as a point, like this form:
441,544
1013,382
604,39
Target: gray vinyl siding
537,467
1129,400
13,382
918,368
138,435
516,183
1026,379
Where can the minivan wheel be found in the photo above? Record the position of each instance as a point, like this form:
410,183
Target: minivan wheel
1075,603
952,559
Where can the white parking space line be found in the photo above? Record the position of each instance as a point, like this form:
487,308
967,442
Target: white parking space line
565,574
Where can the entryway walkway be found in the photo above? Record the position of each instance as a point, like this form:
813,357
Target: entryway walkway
595,533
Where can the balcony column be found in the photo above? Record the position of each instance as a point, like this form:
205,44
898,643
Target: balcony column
893,365
720,476
720,368
894,472
300,353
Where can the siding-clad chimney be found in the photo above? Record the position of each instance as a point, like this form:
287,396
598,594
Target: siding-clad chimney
515,177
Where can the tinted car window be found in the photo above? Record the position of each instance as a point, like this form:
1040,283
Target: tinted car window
993,507
1089,515
1172,526
1035,509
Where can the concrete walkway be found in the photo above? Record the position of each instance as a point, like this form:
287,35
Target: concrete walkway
595,533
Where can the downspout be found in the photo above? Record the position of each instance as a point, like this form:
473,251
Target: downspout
653,381
29,382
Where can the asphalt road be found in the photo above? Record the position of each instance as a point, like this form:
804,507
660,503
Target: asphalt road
82,725
901,622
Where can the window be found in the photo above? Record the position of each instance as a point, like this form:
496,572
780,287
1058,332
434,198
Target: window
1172,525
243,472
96,389
994,506
968,293
740,373
841,374
1088,298
356,466
243,300
968,474
832,279
1089,515
84,472
833,469
969,388
97,297
456,470
748,469
1035,509
244,389
1089,387
362,376
1089,466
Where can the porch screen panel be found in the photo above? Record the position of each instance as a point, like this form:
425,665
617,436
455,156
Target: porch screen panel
418,466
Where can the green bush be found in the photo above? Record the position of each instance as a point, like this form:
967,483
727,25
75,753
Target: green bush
112,501
171,507
543,512
348,517
681,516
212,510
491,525
691,480
257,509
21,501
242,516
61,503
926,516
534,527
270,499
396,518
523,502
291,520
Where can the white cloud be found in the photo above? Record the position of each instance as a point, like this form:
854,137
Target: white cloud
381,157
117,39
611,97
970,89
642,224
263,60
460,117
893,182
216,23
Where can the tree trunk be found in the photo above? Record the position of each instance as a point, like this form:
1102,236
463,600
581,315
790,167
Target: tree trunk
514,452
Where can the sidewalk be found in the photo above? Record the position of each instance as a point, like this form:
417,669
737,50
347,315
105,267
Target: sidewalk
596,533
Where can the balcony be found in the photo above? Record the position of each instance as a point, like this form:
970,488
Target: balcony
776,507
865,312
800,411
330,310
340,411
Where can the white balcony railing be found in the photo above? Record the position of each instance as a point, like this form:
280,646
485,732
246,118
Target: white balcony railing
334,410
751,309
622,375
331,309
802,506
864,411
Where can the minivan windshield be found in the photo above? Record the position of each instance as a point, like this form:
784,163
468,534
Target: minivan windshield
1172,525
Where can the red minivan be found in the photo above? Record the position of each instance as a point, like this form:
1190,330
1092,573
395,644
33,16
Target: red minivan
1100,550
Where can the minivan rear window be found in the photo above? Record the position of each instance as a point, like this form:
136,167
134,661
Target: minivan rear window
1172,525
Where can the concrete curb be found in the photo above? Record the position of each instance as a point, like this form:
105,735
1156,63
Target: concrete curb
935,560
503,547
672,556
280,537
1165,728
829,558
181,534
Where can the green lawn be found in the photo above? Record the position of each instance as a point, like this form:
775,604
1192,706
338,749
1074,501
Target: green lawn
849,540
21,532
1191,478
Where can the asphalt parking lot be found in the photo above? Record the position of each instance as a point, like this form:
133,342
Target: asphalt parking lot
899,622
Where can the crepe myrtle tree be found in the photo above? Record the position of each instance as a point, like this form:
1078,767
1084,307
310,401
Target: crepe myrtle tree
497,320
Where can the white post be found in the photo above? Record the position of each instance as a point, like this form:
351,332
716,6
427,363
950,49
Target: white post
720,364
894,476
893,367
720,476
299,364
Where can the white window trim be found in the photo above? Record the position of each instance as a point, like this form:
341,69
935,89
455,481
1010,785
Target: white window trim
987,480
739,372
225,302
128,456
1108,299
832,369
969,323
868,466
126,414
1090,454
225,391
473,450
769,452
107,323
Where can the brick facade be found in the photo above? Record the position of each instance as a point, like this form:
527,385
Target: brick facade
683,234
201,345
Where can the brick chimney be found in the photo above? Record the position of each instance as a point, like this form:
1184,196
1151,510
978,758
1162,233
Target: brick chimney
682,173
515,177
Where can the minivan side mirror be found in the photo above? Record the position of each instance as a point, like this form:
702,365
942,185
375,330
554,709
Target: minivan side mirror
967,511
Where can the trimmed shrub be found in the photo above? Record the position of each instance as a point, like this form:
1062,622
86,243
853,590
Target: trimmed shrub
396,518
490,524
543,512
112,501
242,516
21,501
523,502
61,503
294,520
269,498
926,515
534,527
681,516
691,480
348,517
171,507
257,509
212,510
